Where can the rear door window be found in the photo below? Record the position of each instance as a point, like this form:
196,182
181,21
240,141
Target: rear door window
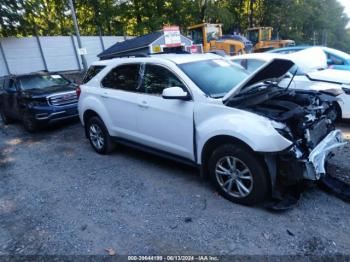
123,77
92,72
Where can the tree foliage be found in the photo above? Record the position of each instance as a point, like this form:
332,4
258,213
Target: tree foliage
305,21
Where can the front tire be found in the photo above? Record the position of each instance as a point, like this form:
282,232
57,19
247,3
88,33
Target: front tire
98,136
29,122
238,174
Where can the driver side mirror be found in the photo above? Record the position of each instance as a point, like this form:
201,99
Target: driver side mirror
175,93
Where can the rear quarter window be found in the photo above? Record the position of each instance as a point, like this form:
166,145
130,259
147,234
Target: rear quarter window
92,72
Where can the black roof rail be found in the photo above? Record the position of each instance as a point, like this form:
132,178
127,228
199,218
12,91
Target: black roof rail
125,56
146,55
177,52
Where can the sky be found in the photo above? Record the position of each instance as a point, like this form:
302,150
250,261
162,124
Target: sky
346,4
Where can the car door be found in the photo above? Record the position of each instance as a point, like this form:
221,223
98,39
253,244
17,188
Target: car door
165,124
121,89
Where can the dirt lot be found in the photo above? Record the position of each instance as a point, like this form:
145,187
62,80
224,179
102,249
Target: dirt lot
57,196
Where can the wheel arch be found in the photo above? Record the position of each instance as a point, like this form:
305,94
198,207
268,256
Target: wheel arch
216,141
339,110
219,140
89,113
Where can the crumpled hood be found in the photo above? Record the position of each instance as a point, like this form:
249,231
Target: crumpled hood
313,62
331,75
273,70
310,59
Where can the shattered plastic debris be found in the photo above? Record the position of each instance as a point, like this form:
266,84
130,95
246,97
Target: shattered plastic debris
289,199
111,251
285,198
336,187
283,204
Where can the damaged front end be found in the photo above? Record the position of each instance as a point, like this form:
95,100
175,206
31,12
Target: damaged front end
306,118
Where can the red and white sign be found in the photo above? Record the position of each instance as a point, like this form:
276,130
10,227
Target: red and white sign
194,49
172,36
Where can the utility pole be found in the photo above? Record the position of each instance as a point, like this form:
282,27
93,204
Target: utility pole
76,28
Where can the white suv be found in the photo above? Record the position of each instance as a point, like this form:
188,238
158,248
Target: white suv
249,135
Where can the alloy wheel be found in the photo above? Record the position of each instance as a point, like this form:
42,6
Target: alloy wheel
234,177
96,136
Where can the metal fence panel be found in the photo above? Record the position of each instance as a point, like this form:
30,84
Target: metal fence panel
59,53
93,47
22,54
3,69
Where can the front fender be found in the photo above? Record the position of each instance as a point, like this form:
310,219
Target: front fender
254,130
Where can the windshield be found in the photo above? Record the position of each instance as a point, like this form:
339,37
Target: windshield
253,35
213,32
197,36
215,77
41,81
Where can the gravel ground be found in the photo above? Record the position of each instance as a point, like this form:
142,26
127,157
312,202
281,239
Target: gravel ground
58,197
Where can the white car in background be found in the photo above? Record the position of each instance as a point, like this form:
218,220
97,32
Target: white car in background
310,74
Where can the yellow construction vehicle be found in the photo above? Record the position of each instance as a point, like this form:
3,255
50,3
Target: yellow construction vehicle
261,37
210,36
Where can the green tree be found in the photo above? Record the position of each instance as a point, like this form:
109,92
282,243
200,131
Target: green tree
305,21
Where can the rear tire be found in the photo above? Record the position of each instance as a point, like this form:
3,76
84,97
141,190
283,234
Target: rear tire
238,174
98,136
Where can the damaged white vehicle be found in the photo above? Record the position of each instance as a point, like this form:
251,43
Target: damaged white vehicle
247,133
311,74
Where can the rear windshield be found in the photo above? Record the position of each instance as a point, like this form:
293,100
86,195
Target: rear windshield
215,77
41,81
93,70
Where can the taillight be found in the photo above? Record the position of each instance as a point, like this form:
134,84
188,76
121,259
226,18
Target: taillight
78,91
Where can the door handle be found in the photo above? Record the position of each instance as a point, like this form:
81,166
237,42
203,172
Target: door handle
104,95
143,104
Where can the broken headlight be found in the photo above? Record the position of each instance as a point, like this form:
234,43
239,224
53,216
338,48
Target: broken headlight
285,133
333,91
346,90
282,129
